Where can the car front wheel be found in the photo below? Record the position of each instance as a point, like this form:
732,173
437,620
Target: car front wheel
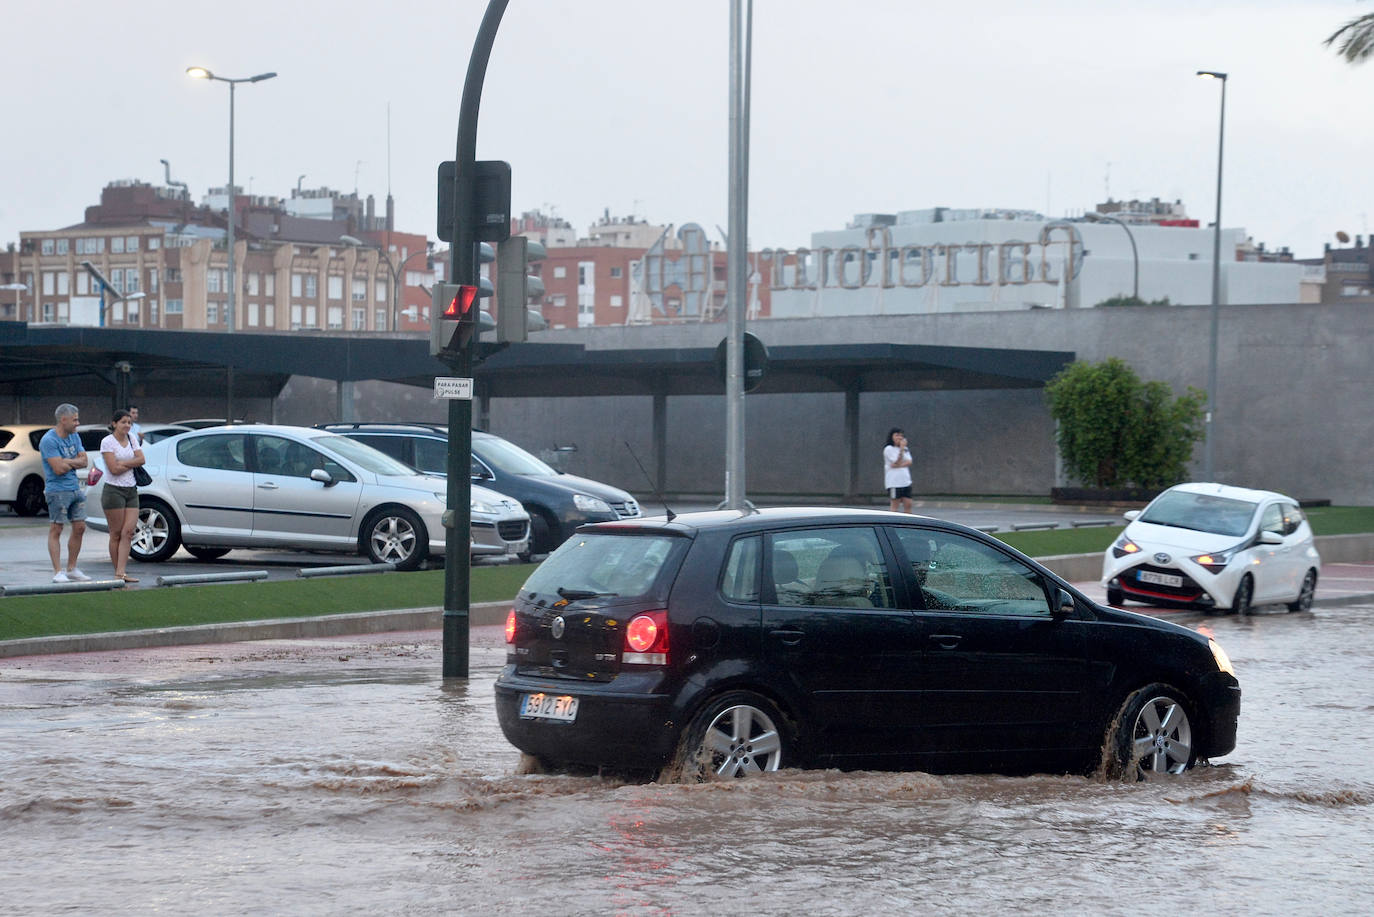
395,535
1245,594
1152,735
737,734
157,535
1309,591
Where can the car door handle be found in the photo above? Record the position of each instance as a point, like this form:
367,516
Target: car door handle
945,641
181,478
268,485
787,637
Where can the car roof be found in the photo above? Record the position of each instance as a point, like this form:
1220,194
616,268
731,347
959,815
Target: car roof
1231,492
396,427
770,518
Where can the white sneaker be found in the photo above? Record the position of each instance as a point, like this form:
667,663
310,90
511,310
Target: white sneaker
61,577
77,576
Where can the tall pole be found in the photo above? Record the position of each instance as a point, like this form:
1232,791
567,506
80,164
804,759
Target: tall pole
464,268
229,309
741,17
1209,441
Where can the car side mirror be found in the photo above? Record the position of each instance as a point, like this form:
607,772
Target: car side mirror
319,474
1268,537
1131,515
1064,604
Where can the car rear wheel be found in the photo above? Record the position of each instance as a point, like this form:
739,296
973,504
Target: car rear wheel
200,552
29,500
1152,735
1309,591
1245,593
157,535
737,734
395,535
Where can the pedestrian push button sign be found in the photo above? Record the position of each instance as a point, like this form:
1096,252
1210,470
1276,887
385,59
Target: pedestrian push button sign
453,388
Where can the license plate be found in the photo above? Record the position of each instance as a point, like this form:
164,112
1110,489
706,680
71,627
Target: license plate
560,707
1159,579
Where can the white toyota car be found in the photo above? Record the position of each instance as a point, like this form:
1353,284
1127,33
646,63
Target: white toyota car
1214,547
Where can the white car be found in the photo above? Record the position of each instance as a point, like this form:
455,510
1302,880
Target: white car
268,486
1213,546
21,468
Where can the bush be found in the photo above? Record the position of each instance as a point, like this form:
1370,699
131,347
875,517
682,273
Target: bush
1116,431
1116,301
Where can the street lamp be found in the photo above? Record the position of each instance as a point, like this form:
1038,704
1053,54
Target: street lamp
1209,430
200,73
1093,216
395,270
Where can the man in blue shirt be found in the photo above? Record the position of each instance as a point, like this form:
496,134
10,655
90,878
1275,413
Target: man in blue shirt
62,454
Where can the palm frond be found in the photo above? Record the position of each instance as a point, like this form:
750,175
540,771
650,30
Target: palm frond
1356,39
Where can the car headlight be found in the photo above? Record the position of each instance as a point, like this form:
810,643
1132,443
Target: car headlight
441,497
590,504
1223,660
1124,546
477,506
1216,561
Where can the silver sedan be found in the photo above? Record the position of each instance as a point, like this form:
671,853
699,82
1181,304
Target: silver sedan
271,486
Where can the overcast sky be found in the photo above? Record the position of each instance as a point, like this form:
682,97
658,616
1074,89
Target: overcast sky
858,107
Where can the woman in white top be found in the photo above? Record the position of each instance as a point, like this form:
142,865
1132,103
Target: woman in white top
897,471
119,497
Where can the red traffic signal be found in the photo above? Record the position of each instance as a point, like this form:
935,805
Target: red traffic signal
460,307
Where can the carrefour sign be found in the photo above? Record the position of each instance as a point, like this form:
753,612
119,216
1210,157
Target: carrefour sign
879,263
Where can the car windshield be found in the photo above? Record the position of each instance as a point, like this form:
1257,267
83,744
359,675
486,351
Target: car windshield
594,565
1200,512
363,454
509,457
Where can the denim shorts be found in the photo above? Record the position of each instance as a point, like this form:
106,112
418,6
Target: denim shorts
112,496
66,506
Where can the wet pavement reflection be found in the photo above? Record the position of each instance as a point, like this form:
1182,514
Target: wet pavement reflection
344,776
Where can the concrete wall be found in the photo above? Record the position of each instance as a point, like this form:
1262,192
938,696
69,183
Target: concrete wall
1294,407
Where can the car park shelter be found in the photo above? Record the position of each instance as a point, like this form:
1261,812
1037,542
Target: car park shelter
62,361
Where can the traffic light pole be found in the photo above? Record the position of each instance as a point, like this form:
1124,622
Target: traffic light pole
464,270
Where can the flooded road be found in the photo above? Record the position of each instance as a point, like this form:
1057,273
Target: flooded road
343,776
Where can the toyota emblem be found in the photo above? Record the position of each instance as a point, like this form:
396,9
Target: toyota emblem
557,626
1162,558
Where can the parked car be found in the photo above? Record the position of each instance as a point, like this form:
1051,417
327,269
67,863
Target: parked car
557,503
728,643
1214,547
267,486
93,434
21,468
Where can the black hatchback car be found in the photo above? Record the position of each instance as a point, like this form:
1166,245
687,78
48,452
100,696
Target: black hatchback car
557,502
727,643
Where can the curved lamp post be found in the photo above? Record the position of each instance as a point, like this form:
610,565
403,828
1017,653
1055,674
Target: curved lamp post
395,270
1093,216
1208,443
200,73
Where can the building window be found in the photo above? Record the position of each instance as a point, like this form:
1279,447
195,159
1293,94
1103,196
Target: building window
252,280
335,288
61,246
63,283
83,283
152,280
131,280
49,283
381,291
414,278
381,320
212,313
253,314
212,281
560,272
153,243
117,245
131,244
46,246
312,317
152,309
49,311
558,302
359,319
297,283
270,285
617,302
295,317
269,315
334,315
617,272
173,307
173,275
359,289
312,289
133,311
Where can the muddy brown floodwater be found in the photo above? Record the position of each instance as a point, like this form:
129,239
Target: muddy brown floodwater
344,776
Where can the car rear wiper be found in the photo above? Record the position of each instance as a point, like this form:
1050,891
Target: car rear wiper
574,595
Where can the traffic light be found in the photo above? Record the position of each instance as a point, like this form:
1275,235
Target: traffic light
453,317
515,286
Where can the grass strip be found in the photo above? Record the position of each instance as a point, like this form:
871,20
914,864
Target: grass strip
25,616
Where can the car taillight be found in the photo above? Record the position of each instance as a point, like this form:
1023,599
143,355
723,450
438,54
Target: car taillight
646,639
510,626
8,456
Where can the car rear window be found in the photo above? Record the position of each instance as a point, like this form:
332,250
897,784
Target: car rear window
596,565
1200,512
